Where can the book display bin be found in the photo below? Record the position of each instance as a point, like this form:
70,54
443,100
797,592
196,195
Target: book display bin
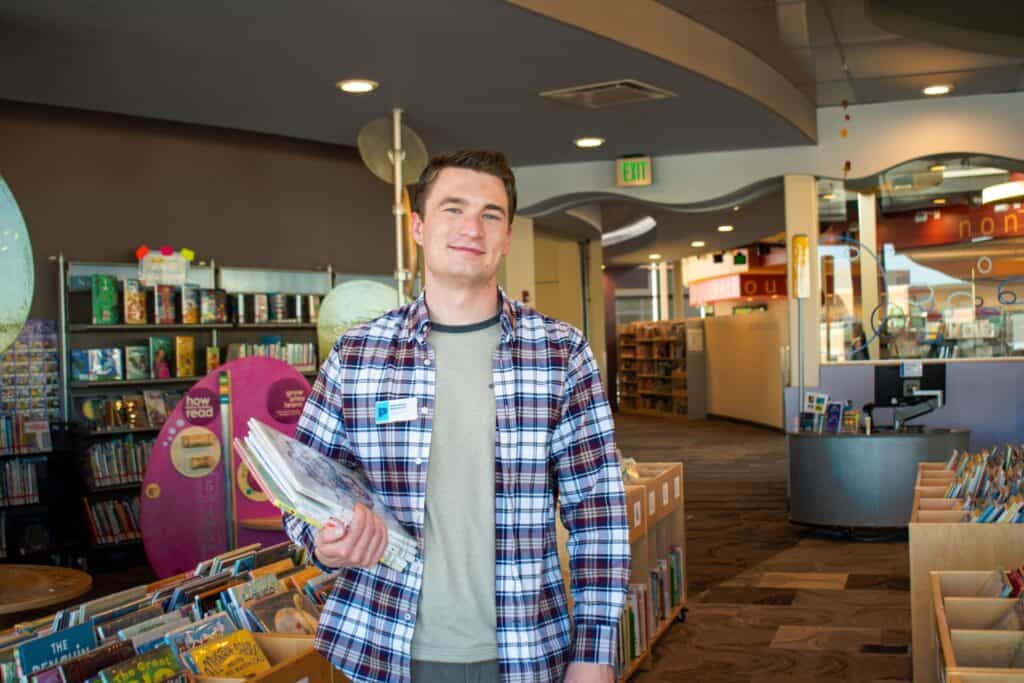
976,636
652,368
942,541
655,507
292,658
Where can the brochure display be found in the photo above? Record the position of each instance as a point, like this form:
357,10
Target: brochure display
185,505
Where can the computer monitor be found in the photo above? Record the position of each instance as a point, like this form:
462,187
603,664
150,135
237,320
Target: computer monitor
894,388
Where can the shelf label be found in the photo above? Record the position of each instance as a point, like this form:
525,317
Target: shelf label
638,513
652,502
664,494
677,486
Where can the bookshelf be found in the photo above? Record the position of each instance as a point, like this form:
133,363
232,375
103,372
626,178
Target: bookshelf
941,540
656,511
652,368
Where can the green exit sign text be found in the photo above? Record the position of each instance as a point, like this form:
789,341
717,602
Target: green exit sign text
633,171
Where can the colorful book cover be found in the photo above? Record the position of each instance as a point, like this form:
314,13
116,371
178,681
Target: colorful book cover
314,307
287,612
106,365
104,300
154,666
190,304
84,667
212,358
161,355
136,362
192,636
45,651
79,365
278,307
220,305
834,418
109,629
134,406
260,308
185,356
156,409
134,302
236,655
207,306
165,307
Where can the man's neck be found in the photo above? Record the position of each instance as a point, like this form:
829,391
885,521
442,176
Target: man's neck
461,306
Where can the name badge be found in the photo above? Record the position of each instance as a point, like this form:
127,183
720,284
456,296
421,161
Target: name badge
398,410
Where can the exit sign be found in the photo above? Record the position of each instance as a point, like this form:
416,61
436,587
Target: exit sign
633,171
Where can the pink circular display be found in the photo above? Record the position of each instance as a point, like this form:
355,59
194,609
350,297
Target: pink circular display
183,517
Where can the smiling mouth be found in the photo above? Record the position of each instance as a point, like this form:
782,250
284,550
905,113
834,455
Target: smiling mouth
466,250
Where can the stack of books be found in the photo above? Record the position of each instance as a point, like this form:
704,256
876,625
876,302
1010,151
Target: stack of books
989,484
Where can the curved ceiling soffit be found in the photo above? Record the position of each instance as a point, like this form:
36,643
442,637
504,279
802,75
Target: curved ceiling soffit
568,225
995,29
568,202
869,183
660,31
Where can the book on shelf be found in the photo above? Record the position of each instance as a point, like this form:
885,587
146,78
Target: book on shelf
190,304
285,612
156,665
161,357
213,306
135,312
104,300
165,306
156,407
184,356
136,362
260,308
235,655
833,418
302,481
97,365
278,307
114,520
117,461
135,416
313,308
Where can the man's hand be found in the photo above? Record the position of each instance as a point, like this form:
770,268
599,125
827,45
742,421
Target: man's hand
361,544
585,672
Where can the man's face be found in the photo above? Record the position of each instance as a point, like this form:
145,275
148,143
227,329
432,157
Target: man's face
464,229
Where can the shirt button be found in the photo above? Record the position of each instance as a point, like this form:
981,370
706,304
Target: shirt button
424,411
419,461
427,362
408,616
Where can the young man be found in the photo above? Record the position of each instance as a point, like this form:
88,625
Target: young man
503,416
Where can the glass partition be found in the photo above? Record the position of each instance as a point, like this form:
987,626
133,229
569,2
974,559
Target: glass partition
940,276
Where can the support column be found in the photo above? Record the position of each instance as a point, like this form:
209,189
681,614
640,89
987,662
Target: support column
867,220
663,290
679,301
801,202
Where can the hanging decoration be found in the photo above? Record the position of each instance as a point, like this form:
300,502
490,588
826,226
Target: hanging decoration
844,132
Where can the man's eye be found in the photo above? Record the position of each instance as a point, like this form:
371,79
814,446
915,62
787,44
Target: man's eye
453,209
492,216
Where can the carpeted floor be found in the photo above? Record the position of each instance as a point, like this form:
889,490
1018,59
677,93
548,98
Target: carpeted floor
769,601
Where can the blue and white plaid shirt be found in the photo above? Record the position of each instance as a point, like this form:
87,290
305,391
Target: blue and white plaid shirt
554,439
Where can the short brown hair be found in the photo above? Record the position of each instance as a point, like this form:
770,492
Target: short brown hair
483,160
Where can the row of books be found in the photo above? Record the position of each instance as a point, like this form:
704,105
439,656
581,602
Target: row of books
116,412
197,623
30,373
821,416
647,607
116,461
113,521
19,481
162,358
301,355
988,484
24,434
191,305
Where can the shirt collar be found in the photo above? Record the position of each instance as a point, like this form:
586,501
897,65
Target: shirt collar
417,318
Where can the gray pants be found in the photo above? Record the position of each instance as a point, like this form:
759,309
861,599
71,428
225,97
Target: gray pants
448,672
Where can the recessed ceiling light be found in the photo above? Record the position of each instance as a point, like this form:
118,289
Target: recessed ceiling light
736,208
725,228
697,244
937,89
587,143
940,201
828,196
937,168
654,257
357,86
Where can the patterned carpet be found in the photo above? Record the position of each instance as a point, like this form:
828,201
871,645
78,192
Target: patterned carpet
769,601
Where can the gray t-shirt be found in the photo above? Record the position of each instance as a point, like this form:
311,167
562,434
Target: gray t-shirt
457,620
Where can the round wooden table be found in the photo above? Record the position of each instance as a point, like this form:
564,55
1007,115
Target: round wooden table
25,587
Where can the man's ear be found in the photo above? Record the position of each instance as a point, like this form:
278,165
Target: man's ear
417,227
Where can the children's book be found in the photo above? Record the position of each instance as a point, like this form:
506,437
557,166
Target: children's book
156,665
190,304
136,362
165,309
185,356
161,357
156,409
833,418
105,365
134,302
286,612
104,300
134,407
236,655
212,358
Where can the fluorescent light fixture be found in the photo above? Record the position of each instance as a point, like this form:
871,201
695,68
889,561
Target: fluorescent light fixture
937,168
828,196
939,201
588,143
725,228
654,257
697,244
357,86
628,232
972,172
940,89
1002,192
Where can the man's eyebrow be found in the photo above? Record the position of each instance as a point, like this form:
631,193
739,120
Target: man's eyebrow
460,201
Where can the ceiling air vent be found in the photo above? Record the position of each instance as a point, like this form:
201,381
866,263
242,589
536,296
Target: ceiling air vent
609,94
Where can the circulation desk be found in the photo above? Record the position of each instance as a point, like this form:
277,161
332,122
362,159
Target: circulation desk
860,480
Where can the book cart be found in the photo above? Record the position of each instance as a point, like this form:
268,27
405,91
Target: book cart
655,507
652,368
978,637
941,540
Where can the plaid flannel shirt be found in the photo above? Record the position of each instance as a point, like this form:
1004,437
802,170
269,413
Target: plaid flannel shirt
553,440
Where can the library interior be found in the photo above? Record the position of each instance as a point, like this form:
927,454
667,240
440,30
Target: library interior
786,236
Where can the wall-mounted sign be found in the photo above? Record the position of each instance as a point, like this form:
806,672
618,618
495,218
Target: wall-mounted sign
633,172
739,286
800,266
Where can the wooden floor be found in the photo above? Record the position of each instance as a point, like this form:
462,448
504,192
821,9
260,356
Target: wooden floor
769,601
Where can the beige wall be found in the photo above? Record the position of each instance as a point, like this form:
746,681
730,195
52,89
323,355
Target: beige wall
744,373
516,274
97,186
558,279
